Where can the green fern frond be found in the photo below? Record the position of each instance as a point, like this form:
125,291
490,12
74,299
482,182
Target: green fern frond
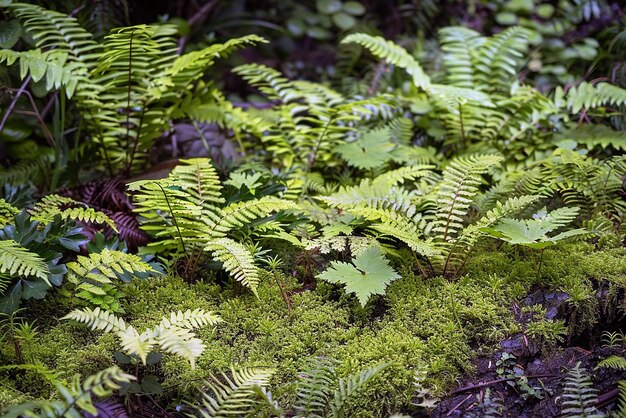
173,335
17,260
237,260
189,319
191,66
498,59
269,81
52,205
238,214
588,96
351,386
458,43
407,173
393,54
75,400
98,319
7,212
51,29
461,179
91,273
613,362
315,387
233,395
579,396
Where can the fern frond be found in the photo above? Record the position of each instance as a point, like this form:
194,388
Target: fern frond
613,362
189,319
351,386
75,400
461,179
237,260
51,29
393,54
52,205
579,396
498,59
99,269
191,66
180,341
588,96
269,81
238,214
233,395
97,319
17,260
315,388
7,212
457,43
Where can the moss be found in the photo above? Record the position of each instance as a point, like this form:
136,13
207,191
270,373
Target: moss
434,323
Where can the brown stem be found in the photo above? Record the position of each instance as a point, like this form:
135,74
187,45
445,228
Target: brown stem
21,90
494,382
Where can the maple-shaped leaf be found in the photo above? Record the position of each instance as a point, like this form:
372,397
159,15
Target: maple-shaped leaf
534,232
372,150
369,275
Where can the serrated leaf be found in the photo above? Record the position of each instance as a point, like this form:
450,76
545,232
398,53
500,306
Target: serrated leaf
372,150
369,275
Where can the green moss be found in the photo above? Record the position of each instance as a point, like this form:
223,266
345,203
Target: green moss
434,323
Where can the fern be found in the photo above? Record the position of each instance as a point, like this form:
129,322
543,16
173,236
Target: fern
321,393
314,390
589,96
460,184
17,260
234,395
579,397
126,88
7,212
393,54
237,259
351,386
173,334
94,275
613,362
186,210
52,205
76,399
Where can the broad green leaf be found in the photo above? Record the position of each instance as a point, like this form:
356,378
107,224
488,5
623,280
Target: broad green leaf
369,275
10,32
344,20
372,150
328,6
355,8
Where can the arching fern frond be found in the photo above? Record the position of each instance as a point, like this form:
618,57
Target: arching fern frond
75,400
173,335
613,362
68,209
393,54
234,395
498,59
17,260
237,260
349,387
588,96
